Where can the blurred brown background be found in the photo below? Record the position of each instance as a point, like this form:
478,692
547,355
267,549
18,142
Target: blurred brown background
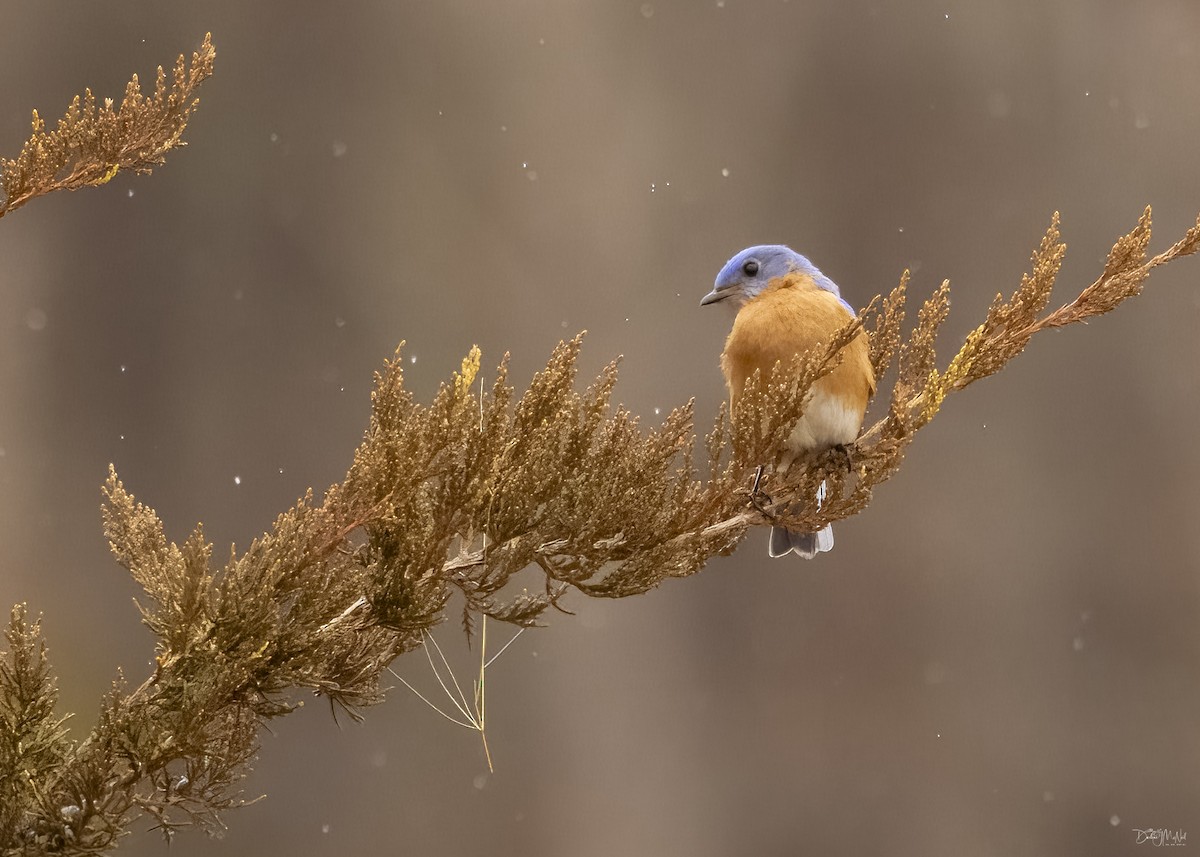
1001,656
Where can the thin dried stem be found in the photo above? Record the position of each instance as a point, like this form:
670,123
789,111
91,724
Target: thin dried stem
474,715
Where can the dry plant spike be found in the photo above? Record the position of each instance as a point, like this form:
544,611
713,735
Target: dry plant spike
883,321
457,498
93,142
1124,273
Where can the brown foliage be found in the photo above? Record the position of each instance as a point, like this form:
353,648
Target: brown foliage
92,143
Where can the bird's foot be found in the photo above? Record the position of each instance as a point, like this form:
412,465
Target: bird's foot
759,498
840,457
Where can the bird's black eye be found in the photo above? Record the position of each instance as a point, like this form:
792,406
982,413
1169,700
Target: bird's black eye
750,268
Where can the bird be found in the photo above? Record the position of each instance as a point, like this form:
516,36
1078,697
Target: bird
785,306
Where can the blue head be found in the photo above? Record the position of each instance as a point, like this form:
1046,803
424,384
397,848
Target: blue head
748,273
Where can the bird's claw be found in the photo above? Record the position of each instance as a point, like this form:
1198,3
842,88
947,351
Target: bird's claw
760,499
841,456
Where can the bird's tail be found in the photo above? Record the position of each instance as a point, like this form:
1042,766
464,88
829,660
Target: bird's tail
806,545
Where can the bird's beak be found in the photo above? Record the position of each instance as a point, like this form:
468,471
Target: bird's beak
714,296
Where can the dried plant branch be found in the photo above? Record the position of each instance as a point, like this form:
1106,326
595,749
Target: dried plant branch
1008,327
92,143
456,498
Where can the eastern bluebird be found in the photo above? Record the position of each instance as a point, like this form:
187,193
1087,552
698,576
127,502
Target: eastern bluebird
786,306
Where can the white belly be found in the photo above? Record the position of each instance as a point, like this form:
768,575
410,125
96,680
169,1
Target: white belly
826,422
